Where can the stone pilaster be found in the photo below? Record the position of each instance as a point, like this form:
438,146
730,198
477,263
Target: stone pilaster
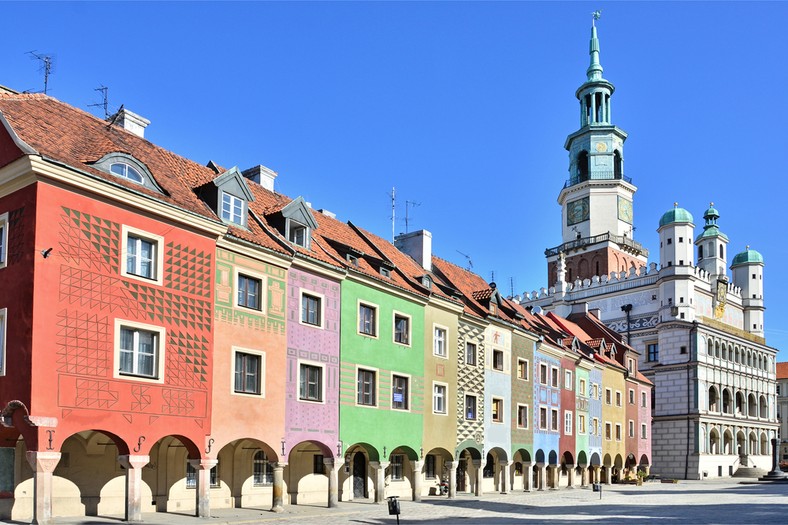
527,477
504,477
133,466
380,479
332,468
570,476
203,492
43,465
418,478
452,466
278,499
477,465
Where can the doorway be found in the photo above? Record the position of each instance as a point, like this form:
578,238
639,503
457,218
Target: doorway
359,475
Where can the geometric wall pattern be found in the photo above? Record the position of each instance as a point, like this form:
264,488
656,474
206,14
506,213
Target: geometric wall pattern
471,380
95,394
187,270
90,241
16,235
84,344
164,306
96,291
187,359
177,402
141,398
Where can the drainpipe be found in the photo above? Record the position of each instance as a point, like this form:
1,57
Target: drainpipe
690,351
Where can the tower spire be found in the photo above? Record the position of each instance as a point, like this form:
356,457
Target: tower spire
594,71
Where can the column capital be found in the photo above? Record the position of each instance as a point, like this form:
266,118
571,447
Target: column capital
203,463
476,463
417,463
379,464
280,465
452,465
131,462
43,461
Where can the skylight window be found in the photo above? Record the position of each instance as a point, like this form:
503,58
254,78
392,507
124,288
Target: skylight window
121,169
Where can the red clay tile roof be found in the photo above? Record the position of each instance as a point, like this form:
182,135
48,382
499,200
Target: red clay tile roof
481,295
464,282
73,137
782,370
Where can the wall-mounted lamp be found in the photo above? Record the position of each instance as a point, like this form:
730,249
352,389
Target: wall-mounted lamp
421,452
339,448
45,253
384,451
283,446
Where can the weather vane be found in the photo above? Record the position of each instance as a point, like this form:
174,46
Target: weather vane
596,14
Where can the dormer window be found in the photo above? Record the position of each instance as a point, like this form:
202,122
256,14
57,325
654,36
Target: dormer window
426,281
298,223
352,259
297,234
385,272
232,209
121,169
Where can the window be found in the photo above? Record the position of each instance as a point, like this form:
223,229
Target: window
618,431
596,428
543,373
191,476
311,309
554,377
643,433
139,352
522,416
643,399
631,397
608,396
522,369
554,419
121,169
608,431
652,352
262,470
497,360
141,257
385,272
429,466
470,407
497,410
297,234
568,420
618,398
401,329
249,291
310,385
631,428
439,341
397,462
367,319
439,398
568,379
318,467
248,373
581,424
3,240
631,366
232,209
543,418
595,391
366,387
470,354
582,387
399,392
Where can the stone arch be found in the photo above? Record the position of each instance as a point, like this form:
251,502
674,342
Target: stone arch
552,458
741,443
246,471
763,408
752,406
716,349
727,442
752,443
739,403
714,441
710,347
583,270
727,405
305,474
644,461
764,444
595,461
471,447
713,399
540,457
582,459
608,461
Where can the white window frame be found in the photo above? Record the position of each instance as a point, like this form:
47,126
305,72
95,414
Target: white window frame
4,240
376,312
568,380
619,400
409,336
435,398
525,424
407,397
643,431
475,353
581,423
619,432
609,396
631,397
437,351
569,419
596,428
498,351
543,423
582,387
3,330
161,334
158,255
475,407
643,401
544,373
263,289
527,369
322,368
501,417
237,349
554,377
322,307
376,395
292,227
230,215
556,427
608,431
631,428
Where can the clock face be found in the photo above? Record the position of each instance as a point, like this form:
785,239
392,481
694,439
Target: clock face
601,147
577,211
625,210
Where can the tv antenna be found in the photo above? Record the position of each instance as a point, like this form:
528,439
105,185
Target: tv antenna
393,196
105,101
408,205
511,286
468,257
46,66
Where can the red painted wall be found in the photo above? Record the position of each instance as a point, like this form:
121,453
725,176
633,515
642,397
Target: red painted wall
567,443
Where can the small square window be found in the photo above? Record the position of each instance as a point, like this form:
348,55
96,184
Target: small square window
249,289
497,360
367,319
311,310
401,329
470,354
497,410
262,470
522,369
439,398
248,377
439,341
470,407
232,209
297,234
670,241
310,387
385,272
399,392
652,352
367,387
522,416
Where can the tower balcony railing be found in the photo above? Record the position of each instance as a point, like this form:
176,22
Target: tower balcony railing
621,240
597,175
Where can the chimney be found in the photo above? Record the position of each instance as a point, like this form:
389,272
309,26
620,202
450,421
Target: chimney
130,121
596,312
418,245
328,213
261,175
580,308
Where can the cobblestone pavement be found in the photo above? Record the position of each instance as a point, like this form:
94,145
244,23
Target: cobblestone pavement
697,502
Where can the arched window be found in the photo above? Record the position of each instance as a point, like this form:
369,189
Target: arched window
121,169
710,350
713,400
618,168
700,252
263,470
722,252
582,166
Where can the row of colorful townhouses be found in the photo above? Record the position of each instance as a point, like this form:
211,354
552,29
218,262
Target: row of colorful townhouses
177,337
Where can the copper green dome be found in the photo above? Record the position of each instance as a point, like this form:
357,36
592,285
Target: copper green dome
748,256
675,215
710,229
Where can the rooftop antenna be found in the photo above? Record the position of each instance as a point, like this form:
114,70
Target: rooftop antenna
408,205
105,101
492,276
46,66
511,286
468,257
393,196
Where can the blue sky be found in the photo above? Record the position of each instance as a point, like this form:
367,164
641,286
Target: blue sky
463,107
